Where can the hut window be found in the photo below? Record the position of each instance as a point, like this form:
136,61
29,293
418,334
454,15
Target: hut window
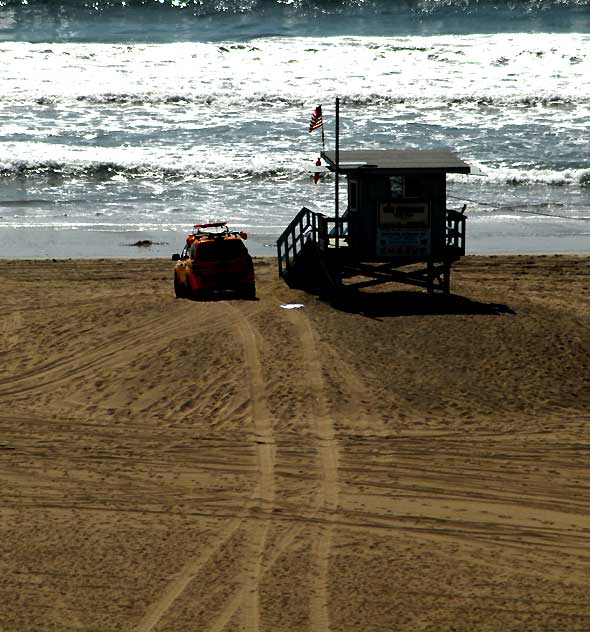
396,184
353,195
412,187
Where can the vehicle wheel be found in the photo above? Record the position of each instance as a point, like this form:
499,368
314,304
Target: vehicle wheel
248,293
178,288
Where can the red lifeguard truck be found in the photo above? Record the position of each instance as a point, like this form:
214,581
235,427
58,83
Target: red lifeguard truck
214,259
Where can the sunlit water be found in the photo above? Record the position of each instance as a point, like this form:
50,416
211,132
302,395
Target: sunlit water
144,119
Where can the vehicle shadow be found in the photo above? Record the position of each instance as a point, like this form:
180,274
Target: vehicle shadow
404,303
219,296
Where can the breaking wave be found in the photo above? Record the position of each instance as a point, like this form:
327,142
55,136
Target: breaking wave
139,99
524,177
276,100
103,171
254,169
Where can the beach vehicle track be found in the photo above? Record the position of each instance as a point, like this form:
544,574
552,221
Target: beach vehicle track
259,504
10,325
257,511
327,452
77,363
326,499
188,573
99,352
265,456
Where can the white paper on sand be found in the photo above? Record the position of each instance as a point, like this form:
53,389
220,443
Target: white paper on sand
292,305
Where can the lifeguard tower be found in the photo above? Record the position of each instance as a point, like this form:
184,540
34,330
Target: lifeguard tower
396,217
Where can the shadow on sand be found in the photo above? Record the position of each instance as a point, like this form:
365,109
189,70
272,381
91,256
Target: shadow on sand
215,297
404,303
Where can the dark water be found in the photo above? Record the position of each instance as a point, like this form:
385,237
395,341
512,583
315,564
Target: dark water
211,20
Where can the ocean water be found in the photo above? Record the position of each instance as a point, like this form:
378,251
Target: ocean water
134,120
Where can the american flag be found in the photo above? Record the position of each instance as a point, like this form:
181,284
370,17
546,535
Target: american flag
316,119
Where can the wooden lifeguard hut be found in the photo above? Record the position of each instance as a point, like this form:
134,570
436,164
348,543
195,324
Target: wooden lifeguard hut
396,217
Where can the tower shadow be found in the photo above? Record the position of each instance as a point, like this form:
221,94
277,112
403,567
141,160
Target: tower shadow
404,303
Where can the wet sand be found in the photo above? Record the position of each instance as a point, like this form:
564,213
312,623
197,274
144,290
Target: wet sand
388,461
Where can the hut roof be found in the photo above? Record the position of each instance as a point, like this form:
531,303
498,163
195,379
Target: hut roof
397,160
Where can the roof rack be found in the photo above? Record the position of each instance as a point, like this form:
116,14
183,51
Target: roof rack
201,230
211,225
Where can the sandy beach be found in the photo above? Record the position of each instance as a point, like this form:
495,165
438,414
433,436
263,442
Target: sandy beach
384,461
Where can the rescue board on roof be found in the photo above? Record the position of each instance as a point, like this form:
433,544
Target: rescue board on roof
214,260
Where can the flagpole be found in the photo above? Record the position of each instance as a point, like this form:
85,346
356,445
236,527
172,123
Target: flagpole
337,147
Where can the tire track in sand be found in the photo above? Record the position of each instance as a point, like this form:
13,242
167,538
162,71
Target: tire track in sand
188,573
10,325
67,366
265,491
327,461
261,500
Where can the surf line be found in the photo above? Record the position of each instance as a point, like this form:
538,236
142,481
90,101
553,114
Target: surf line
517,209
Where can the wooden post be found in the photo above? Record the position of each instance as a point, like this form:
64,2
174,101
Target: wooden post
430,277
447,278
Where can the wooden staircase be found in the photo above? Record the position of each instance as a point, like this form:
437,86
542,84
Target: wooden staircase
303,252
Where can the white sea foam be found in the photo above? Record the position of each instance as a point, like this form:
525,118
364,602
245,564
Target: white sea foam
503,68
123,163
154,134
118,162
512,176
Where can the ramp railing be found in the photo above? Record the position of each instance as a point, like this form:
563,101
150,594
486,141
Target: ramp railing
306,227
455,231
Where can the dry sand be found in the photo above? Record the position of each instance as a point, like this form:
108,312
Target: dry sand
387,462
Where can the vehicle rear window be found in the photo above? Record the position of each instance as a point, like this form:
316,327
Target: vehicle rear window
220,249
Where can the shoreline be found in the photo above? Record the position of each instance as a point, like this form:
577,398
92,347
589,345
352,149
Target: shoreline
269,257
34,243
